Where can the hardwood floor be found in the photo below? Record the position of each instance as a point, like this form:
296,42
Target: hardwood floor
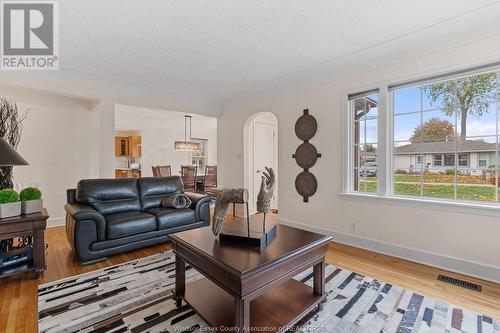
18,302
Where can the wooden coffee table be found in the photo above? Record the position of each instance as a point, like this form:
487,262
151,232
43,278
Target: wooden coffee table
245,288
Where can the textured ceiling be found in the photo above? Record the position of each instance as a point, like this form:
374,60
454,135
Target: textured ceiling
216,52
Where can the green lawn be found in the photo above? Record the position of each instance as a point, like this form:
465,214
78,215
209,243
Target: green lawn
477,193
438,178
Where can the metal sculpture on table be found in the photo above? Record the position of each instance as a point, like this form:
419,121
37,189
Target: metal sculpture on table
265,196
224,198
238,232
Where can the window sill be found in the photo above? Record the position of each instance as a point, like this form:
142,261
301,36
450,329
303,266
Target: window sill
475,208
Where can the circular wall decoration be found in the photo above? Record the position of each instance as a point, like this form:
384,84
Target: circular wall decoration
306,126
306,155
306,184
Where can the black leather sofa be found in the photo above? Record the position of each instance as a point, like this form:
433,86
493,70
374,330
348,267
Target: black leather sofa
110,216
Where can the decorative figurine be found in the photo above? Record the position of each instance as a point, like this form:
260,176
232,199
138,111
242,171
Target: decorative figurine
235,232
265,196
224,198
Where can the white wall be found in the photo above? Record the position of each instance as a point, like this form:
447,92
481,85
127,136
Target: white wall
60,141
159,129
461,240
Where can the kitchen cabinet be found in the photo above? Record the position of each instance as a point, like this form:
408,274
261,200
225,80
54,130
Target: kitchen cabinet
122,146
127,146
135,146
127,173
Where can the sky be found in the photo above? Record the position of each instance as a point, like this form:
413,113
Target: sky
407,105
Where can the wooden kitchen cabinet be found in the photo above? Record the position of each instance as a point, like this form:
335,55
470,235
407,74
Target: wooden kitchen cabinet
127,146
135,146
122,146
124,173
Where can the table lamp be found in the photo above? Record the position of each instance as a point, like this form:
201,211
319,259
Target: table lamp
8,155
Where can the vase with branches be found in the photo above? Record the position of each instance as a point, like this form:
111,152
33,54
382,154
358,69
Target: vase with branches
10,130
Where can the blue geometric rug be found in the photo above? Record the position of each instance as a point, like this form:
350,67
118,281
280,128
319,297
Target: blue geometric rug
136,297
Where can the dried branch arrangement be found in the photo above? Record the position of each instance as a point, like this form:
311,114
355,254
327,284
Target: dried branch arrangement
10,130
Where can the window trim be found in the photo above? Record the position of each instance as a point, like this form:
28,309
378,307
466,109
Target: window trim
385,127
467,155
441,162
348,132
454,206
452,164
479,159
204,143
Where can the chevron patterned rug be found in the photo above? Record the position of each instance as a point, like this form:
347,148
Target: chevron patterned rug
136,297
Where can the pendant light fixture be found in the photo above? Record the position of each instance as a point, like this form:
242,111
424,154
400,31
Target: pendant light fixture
187,144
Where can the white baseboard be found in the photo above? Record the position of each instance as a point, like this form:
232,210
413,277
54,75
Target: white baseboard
56,222
481,271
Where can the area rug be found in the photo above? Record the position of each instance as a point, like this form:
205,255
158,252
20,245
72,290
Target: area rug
136,297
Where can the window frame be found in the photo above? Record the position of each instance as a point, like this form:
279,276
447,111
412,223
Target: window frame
348,154
419,159
446,157
479,159
441,162
204,145
467,160
385,156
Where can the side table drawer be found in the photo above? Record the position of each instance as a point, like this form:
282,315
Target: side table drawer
15,228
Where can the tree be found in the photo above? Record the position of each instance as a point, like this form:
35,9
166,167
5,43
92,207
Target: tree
369,148
434,129
471,95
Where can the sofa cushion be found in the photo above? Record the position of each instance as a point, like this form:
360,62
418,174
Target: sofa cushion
129,223
171,217
154,189
109,196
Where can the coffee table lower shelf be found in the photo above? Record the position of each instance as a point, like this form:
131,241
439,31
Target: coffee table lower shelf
280,307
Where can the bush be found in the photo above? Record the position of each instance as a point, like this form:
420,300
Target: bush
451,172
400,172
8,196
30,193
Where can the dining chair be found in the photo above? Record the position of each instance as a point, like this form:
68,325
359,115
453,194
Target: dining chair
188,175
210,179
156,171
161,170
164,170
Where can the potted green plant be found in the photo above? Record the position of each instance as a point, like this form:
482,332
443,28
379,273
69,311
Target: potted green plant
9,203
31,200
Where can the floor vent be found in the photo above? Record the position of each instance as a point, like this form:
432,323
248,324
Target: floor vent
460,283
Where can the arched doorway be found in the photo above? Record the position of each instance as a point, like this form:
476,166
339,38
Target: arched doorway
260,137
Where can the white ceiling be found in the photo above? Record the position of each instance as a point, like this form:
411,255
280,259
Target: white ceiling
216,52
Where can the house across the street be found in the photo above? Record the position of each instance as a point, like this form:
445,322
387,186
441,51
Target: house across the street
474,157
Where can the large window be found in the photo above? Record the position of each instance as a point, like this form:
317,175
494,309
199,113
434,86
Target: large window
199,158
453,122
443,142
364,114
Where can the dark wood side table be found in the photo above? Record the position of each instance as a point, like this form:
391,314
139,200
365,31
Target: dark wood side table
26,225
247,289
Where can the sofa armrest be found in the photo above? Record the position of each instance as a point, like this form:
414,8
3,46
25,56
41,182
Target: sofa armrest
79,212
71,195
200,203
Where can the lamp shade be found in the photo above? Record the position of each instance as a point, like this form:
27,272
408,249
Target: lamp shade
8,156
187,146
